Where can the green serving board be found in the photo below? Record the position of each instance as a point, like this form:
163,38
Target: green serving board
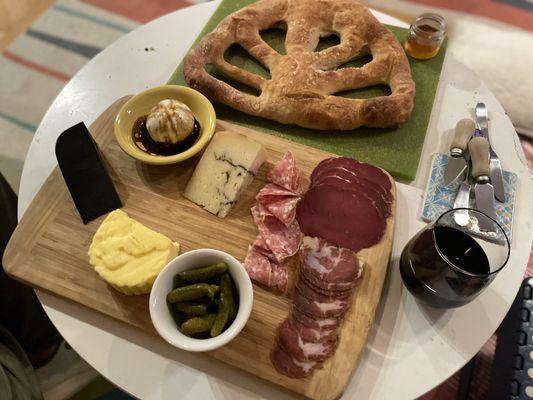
396,150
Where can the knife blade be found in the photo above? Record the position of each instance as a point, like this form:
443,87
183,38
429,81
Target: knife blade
478,148
462,199
456,163
495,168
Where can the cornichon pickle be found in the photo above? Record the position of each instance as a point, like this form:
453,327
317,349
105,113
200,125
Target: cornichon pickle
231,299
191,308
200,274
191,292
226,295
198,324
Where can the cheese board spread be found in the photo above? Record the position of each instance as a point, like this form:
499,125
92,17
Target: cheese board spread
332,313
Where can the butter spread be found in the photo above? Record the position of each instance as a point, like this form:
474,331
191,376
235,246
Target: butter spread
128,255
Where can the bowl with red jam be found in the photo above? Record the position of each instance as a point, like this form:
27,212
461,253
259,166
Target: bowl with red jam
165,124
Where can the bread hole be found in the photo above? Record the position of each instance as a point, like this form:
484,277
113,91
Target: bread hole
366,92
327,42
214,72
275,37
236,55
357,62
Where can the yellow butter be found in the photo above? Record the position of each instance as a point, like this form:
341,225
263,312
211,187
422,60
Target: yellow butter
128,255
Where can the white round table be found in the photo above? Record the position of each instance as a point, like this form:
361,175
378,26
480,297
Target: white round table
410,349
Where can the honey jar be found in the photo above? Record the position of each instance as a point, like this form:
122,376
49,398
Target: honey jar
425,36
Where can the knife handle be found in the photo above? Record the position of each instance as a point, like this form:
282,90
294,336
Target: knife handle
479,154
463,132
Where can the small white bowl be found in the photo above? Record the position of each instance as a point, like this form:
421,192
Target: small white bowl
160,313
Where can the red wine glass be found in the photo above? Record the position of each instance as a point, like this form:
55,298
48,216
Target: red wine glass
451,261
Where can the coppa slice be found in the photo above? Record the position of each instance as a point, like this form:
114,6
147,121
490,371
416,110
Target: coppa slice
316,323
289,366
312,334
341,217
328,266
226,168
295,346
319,308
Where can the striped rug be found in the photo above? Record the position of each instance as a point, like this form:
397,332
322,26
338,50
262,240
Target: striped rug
74,31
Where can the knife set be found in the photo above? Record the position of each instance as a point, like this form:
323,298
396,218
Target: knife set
475,164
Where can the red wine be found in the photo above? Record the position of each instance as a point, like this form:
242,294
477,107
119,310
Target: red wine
449,278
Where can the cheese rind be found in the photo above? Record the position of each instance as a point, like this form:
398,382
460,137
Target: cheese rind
226,168
128,255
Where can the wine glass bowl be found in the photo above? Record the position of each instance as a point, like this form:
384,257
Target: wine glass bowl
448,264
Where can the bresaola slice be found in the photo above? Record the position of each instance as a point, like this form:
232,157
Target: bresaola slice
361,169
343,217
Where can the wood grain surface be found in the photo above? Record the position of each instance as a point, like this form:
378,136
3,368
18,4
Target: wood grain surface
49,251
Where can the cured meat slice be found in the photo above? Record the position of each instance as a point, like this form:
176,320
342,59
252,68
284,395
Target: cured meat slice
310,334
332,308
341,217
314,322
333,292
289,366
280,276
368,171
377,200
282,240
301,350
280,202
347,178
258,266
286,174
327,266
262,267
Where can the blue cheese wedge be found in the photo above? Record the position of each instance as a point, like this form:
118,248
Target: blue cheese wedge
226,168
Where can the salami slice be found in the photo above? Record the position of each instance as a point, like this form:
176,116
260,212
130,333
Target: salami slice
282,240
294,345
341,217
263,269
286,174
289,366
279,201
258,266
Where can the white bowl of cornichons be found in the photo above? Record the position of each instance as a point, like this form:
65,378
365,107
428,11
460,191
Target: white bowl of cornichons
201,300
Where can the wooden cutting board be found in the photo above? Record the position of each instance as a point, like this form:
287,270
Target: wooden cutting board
49,251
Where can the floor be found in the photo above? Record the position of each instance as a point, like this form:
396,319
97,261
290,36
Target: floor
16,16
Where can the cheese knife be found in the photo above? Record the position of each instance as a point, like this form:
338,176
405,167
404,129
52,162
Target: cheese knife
462,199
478,148
457,163
495,167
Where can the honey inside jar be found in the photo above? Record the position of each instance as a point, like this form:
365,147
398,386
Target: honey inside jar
425,36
